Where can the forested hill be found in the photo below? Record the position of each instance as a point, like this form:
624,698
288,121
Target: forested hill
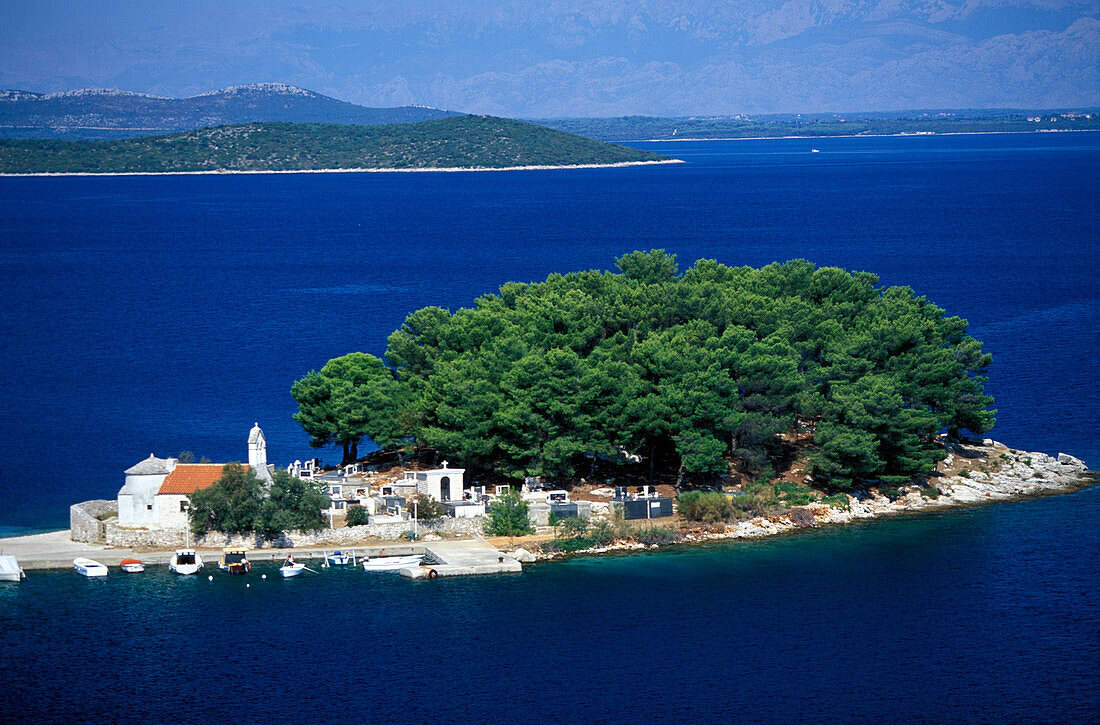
108,114
457,142
701,374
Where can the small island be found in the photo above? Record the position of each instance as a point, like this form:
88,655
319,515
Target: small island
599,411
459,143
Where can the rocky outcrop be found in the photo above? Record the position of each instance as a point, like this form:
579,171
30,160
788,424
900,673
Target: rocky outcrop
994,473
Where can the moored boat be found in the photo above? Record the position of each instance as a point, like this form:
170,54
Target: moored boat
391,563
89,567
10,571
338,558
291,569
185,561
131,566
235,560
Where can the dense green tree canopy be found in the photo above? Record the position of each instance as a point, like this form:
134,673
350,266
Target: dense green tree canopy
693,371
239,503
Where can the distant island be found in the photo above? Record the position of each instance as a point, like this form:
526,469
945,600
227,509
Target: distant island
96,113
459,142
649,128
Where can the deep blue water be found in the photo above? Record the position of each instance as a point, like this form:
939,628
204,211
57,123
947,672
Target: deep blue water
157,314
989,614
160,314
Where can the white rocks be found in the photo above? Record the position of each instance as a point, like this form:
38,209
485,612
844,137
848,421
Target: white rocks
522,556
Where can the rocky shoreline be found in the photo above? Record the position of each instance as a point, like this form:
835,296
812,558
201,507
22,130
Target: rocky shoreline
1006,475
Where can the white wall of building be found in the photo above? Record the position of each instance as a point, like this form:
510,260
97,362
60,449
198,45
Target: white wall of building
135,499
168,511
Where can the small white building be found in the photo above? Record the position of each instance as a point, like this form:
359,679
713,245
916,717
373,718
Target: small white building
442,484
155,495
137,495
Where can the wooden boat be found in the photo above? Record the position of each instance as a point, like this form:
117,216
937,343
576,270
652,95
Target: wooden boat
391,563
89,567
338,558
10,571
131,566
235,560
185,561
290,569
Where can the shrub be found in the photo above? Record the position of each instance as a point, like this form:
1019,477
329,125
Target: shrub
573,527
705,506
891,493
602,532
427,508
838,501
356,516
930,492
660,535
508,516
964,474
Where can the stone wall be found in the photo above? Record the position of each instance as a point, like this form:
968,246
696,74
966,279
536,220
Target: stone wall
85,522
130,538
347,536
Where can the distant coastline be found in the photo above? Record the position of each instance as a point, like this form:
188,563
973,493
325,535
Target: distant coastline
449,169
864,135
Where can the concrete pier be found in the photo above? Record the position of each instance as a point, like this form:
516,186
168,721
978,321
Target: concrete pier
462,558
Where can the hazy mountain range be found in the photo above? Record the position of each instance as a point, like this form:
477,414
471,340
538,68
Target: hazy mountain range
533,58
99,113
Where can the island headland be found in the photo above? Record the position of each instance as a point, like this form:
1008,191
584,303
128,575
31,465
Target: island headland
454,143
601,411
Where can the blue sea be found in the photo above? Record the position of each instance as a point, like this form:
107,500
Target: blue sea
160,314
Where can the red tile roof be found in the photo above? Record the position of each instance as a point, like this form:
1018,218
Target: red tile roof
190,477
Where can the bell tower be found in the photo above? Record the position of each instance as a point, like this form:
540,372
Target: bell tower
257,450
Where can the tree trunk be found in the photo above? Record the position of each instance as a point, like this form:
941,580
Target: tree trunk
652,453
347,453
680,477
354,451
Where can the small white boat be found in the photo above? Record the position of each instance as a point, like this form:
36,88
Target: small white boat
185,561
131,566
89,567
10,571
391,563
291,569
815,151
338,558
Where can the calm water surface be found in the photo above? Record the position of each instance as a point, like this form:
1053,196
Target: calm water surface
989,614
160,314
157,314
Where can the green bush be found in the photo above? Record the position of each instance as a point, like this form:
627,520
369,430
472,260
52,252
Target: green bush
838,501
707,507
891,493
930,492
572,527
427,508
508,516
356,516
660,535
